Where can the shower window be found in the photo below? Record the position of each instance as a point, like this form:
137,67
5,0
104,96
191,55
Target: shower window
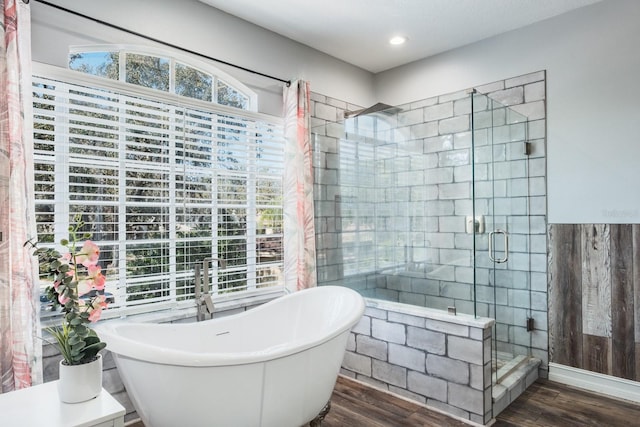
354,208
372,179
161,185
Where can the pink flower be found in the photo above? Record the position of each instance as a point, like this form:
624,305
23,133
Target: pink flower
96,276
98,304
89,254
62,299
94,315
84,287
95,280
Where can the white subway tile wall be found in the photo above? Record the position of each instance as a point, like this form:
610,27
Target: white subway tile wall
404,239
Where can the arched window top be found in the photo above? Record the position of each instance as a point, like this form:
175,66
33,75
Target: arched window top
164,71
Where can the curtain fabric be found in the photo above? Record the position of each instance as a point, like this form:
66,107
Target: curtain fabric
299,231
20,349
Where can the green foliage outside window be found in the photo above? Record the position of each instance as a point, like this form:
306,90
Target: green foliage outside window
155,72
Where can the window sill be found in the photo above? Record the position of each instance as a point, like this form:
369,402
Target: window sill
222,307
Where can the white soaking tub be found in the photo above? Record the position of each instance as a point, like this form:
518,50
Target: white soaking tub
274,365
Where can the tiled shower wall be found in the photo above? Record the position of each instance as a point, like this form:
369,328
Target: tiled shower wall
408,176
594,297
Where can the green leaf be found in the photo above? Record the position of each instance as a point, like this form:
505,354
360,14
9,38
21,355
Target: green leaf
77,347
77,358
92,350
82,330
91,340
73,340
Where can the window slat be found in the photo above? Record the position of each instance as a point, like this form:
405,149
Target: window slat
161,186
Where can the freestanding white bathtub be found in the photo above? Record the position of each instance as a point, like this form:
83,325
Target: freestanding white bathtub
274,365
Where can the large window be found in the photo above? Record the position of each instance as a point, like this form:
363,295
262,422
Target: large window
161,185
162,71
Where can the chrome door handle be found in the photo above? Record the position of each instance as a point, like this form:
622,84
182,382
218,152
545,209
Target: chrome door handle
506,246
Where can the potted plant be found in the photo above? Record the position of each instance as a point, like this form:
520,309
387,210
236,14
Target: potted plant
78,287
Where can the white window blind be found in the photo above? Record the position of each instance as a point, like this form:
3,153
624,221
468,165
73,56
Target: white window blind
161,185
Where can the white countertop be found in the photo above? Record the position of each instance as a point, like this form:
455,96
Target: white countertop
40,406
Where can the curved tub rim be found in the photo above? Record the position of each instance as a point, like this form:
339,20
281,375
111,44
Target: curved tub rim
174,357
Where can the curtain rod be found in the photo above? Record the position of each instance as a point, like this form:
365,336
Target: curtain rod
135,33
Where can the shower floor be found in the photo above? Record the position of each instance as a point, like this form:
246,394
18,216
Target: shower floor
505,364
502,359
499,362
511,377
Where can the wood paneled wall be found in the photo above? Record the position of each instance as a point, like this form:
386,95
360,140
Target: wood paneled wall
594,297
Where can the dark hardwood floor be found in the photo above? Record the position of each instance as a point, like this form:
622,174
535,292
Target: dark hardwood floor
550,404
544,404
356,405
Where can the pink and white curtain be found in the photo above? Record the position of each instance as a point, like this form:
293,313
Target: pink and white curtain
20,349
299,230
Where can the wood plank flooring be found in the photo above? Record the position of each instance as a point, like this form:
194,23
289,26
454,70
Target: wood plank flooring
550,404
544,404
356,405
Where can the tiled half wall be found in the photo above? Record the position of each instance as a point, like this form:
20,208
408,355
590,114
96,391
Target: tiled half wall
427,356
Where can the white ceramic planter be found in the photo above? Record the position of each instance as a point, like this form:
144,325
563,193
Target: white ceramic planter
79,383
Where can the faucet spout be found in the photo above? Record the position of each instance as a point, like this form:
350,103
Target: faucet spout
221,262
203,300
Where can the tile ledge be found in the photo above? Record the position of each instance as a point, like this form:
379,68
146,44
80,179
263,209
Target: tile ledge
431,313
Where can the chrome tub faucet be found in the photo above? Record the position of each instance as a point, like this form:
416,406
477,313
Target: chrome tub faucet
204,303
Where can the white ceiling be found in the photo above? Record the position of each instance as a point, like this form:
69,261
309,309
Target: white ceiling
357,31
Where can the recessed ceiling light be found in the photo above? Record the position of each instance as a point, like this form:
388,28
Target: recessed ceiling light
397,40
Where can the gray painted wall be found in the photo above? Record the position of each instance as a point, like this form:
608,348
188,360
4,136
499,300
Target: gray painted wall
592,65
201,28
590,56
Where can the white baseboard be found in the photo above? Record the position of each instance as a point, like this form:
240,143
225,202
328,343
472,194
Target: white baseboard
593,381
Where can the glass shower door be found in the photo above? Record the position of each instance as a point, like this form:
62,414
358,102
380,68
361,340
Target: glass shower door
502,224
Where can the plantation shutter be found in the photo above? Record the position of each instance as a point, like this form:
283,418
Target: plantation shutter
161,184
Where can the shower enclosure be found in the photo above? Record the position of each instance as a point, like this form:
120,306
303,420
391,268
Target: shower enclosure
429,204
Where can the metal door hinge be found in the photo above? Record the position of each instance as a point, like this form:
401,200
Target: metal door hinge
530,326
